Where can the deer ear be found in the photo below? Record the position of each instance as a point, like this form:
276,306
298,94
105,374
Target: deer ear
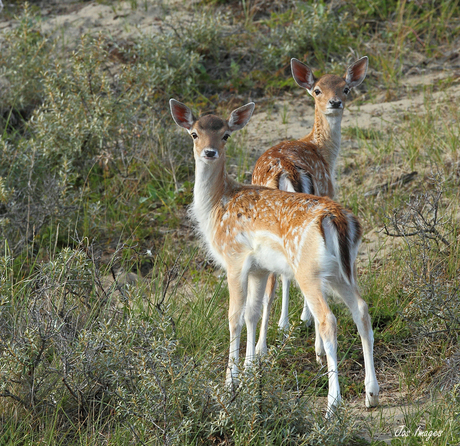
182,115
302,74
241,116
356,72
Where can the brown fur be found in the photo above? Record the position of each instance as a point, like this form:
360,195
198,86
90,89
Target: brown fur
290,158
253,230
315,154
210,122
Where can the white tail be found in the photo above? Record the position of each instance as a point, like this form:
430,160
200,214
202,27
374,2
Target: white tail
307,165
252,231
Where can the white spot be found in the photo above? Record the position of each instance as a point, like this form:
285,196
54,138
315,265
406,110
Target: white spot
286,184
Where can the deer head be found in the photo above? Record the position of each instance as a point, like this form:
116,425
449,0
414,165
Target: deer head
209,132
329,91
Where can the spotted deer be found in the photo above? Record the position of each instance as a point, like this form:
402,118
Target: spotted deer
252,231
308,164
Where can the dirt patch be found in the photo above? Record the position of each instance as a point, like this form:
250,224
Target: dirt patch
292,116
69,20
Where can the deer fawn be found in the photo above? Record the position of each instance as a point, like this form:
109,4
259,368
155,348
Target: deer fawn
252,231
307,165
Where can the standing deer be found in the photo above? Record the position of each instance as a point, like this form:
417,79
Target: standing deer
308,164
252,231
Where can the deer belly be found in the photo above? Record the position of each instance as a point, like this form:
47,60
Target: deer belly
272,260
258,250
268,254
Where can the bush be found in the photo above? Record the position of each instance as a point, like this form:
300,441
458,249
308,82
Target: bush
301,32
94,128
25,54
434,307
82,351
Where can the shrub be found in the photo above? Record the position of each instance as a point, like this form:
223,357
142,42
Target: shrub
25,54
95,355
93,129
302,31
432,266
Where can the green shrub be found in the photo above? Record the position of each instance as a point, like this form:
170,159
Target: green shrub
305,30
25,54
84,353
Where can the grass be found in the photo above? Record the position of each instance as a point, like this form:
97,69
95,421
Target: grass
94,184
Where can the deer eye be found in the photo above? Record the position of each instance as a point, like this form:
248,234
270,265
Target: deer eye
225,137
317,91
194,135
346,90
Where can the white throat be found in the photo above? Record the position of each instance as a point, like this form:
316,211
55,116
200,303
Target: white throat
207,178
210,183
335,138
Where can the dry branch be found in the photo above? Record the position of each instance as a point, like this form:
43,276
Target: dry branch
403,179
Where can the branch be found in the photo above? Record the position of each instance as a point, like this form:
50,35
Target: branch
403,179
14,397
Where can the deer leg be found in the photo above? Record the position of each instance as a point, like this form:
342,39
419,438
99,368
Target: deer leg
326,325
283,323
256,285
319,346
306,315
359,310
237,298
261,347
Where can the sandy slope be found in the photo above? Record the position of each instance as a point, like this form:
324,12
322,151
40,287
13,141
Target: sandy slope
69,19
297,111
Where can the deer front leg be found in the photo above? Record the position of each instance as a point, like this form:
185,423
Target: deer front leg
237,298
257,283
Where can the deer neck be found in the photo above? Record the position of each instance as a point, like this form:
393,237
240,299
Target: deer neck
211,182
326,135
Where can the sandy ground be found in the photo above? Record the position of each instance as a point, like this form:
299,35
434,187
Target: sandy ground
290,117
297,112
69,19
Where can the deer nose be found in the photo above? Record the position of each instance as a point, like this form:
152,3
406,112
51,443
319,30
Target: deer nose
335,103
210,153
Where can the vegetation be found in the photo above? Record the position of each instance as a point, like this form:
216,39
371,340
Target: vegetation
113,324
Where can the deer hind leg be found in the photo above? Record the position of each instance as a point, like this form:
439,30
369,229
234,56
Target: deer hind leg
307,188
319,346
283,323
261,347
326,325
306,315
257,283
359,310
237,299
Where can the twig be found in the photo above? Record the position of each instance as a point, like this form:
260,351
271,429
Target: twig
7,394
422,232
403,179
